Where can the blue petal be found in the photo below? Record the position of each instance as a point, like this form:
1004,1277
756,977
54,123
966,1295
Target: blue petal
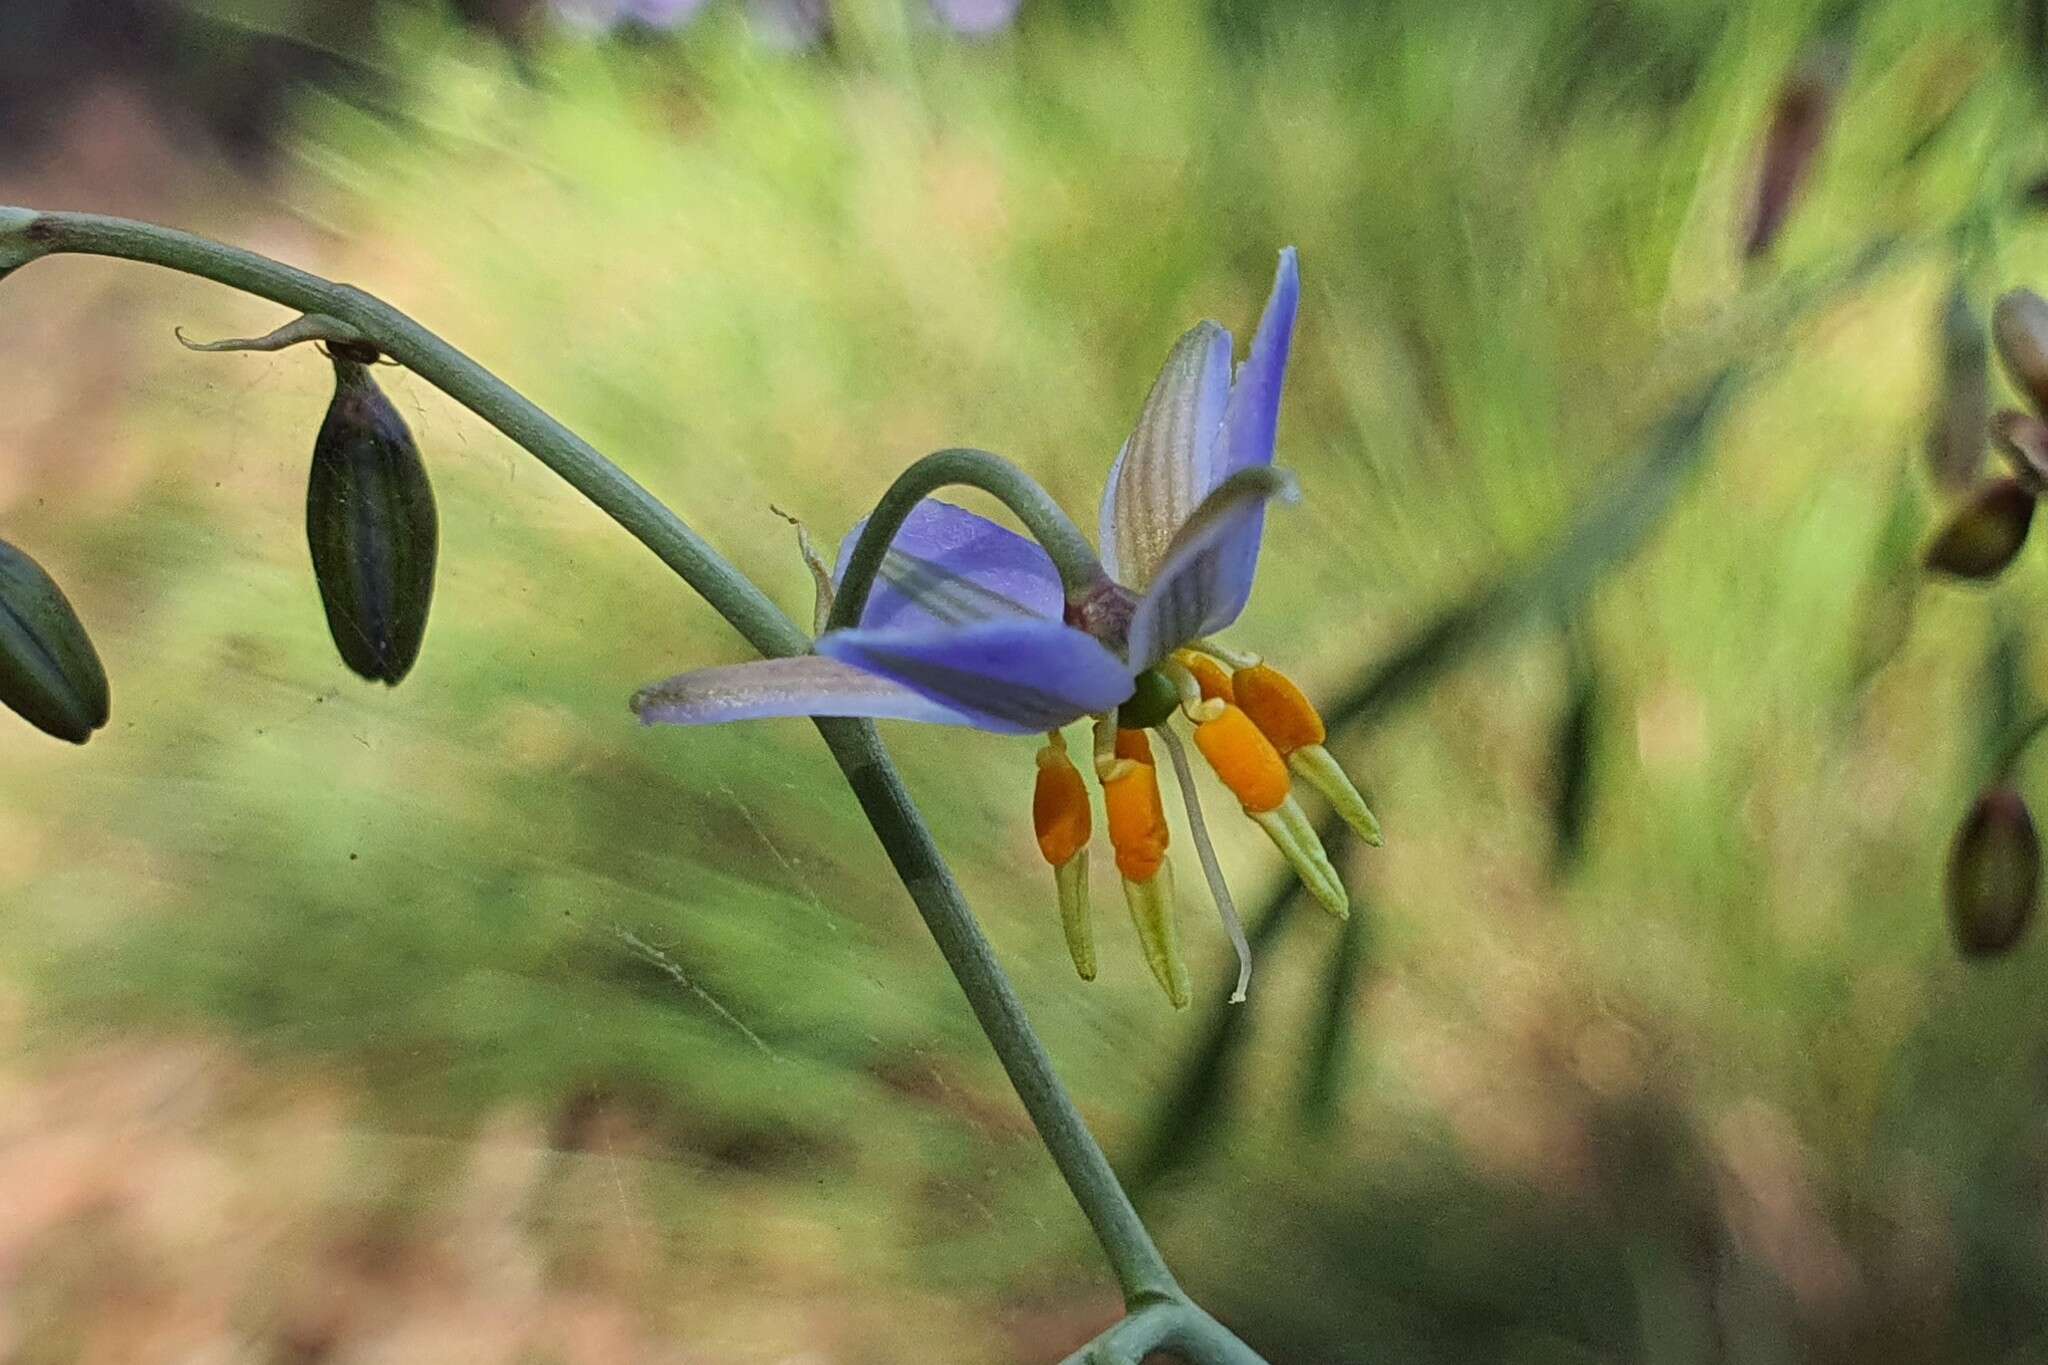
1251,422
947,565
1206,578
1016,676
803,686
1169,464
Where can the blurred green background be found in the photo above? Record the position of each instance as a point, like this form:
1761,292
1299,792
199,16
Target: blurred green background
470,1021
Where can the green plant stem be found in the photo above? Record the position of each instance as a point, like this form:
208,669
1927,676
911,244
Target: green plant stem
1174,1325
879,788
2016,746
1079,568
26,235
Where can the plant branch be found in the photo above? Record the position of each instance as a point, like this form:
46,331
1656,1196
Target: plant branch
2016,746
1175,1325
1079,568
26,235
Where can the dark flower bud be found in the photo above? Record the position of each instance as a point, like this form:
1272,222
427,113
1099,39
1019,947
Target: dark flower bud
49,673
1985,533
370,521
1962,410
2023,439
1799,122
2019,326
1994,874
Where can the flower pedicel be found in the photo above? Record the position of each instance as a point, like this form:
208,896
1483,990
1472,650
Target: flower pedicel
965,622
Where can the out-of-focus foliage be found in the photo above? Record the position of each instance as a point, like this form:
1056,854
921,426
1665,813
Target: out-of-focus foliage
1716,1085
228,70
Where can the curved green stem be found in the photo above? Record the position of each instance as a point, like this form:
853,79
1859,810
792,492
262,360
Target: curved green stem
1139,1269
2016,747
1080,570
26,235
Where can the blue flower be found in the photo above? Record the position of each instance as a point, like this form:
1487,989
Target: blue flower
969,623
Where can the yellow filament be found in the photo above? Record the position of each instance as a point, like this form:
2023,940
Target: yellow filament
1108,767
1278,708
1244,759
1059,807
1214,681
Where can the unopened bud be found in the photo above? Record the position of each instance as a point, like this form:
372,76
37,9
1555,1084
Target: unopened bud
371,524
2019,327
1994,874
49,673
1985,532
1962,409
2023,439
1799,121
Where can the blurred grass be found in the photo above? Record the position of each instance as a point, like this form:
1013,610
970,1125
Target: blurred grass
1720,1092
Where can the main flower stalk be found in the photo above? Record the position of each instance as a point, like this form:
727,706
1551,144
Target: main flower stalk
1161,1312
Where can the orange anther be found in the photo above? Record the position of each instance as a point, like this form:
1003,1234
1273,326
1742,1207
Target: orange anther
1059,808
1137,819
1133,745
1214,681
1245,759
1278,708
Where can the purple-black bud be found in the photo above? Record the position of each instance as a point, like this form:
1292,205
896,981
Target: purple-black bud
2023,439
1799,123
371,523
49,673
1985,532
2019,326
1962,410
1994,874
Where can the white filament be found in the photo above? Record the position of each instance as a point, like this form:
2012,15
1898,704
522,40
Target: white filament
1184,774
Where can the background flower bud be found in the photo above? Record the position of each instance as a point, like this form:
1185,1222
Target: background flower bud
2023,439
1985,533
49,673
1799,122
2019,326
371,524
1962,406
1994,874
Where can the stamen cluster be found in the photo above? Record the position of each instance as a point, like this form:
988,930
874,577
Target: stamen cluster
1257,730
